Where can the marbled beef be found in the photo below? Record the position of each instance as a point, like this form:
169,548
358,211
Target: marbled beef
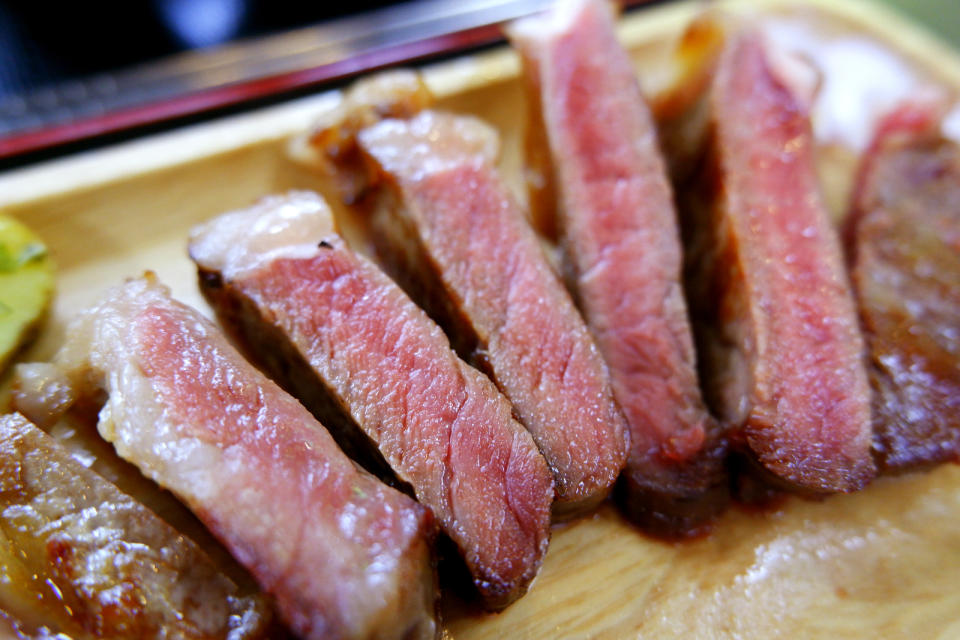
618,229
350,343
343,555
780,342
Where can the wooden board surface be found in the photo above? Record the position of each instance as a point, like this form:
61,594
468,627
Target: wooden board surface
884,563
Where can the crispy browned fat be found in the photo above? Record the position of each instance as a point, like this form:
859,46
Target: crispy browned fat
904,234
398,93
80,557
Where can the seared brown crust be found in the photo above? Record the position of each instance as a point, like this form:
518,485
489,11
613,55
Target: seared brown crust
398,93
905,244
87,559
680,501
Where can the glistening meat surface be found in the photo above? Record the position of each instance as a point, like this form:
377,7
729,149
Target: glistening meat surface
905,243
344,555
779,333
84,559
282,279
619,234
460,244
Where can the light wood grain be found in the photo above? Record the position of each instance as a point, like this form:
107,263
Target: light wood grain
884,563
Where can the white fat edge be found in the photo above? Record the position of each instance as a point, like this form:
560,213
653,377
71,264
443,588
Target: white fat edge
132,419
239,242
381,89
79,368
431,142
97,352
860,81
142,433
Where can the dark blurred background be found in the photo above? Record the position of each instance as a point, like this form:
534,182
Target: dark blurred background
68,68
44,42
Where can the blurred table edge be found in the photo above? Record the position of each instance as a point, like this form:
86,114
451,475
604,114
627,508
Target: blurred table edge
211,80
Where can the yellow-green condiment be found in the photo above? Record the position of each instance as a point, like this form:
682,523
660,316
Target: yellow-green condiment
26,285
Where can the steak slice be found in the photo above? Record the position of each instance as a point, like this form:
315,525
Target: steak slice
779,339
904,235
362,355
344,555
461,246
622,246
84,559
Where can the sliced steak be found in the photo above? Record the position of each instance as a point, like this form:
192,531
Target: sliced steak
344,555
904,235
362,355
456,239
779,339
81,557
621,245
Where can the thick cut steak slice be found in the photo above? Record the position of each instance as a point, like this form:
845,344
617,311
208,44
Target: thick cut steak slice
349,342
905,245
619,233
344,555
461,245
781,345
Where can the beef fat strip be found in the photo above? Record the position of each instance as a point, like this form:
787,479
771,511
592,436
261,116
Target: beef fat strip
457,240
387,372
82,558
343,555
622,247
904,235
781,348
398,93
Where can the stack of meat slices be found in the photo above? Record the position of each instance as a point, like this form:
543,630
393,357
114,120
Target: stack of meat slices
778,337
446,227
346,340
455,237
781,349
341,554
582,388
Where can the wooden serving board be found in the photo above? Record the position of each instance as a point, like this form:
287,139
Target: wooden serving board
883,563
